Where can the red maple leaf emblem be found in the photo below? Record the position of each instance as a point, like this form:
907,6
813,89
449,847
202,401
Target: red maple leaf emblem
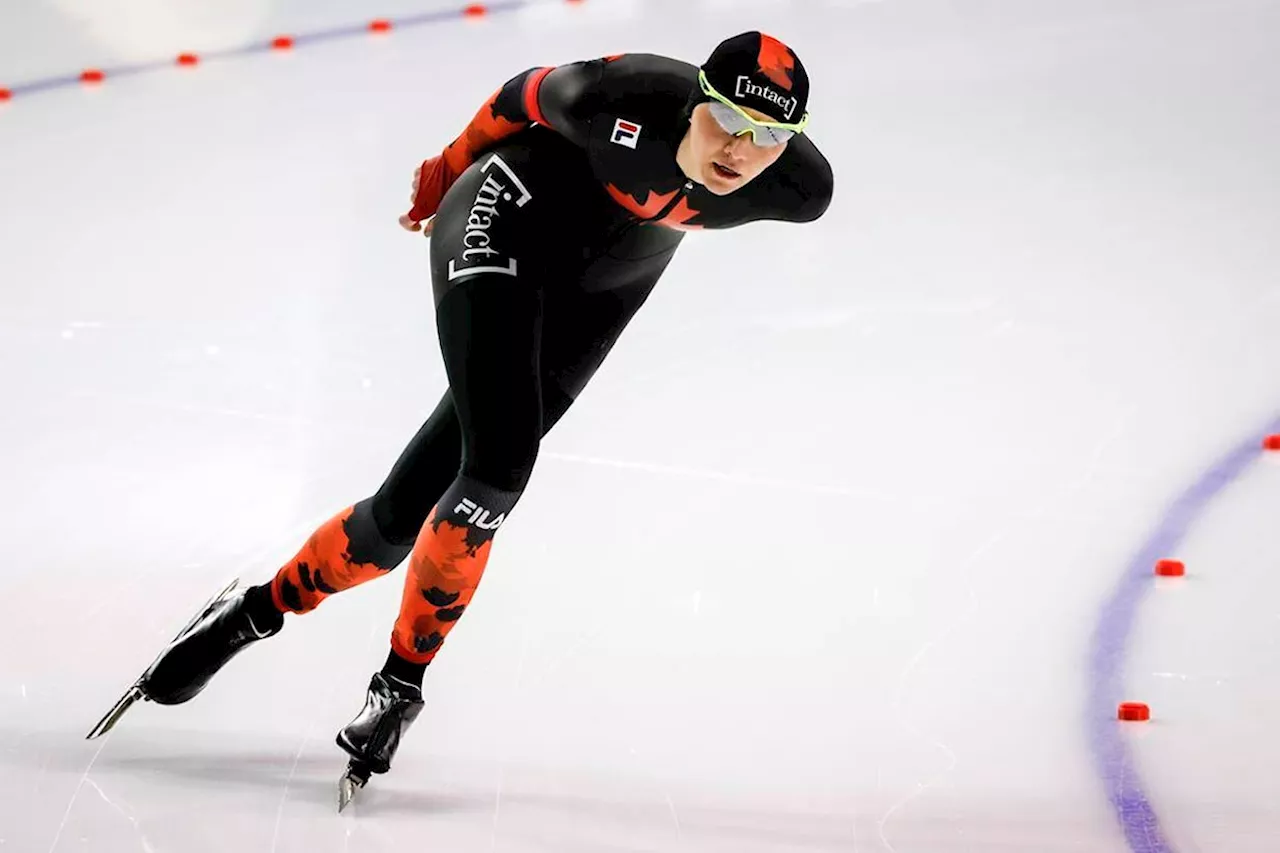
776,61
653,204
679,217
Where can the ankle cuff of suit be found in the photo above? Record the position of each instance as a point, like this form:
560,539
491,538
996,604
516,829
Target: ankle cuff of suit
414,657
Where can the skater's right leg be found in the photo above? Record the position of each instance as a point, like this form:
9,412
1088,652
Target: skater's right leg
492,250
490,335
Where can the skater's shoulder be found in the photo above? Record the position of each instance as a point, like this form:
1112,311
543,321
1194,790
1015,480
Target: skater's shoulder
799,187
648,72
635,78
813,173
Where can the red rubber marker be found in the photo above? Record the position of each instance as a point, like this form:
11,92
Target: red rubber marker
282,43
188,59
475,10
380,26
1170,568
1134,712
1271,442
92,75
5,94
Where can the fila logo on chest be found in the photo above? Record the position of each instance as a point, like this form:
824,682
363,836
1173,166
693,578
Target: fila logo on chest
625,133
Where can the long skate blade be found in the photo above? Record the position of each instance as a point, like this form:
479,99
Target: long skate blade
351,781
133,694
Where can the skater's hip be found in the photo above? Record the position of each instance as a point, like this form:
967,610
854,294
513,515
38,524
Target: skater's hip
530,210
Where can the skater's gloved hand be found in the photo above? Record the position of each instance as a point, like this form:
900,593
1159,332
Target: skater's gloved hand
431,181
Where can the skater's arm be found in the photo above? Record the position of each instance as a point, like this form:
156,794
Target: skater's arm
554,97
559,98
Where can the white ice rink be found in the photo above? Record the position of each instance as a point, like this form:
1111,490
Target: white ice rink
846,548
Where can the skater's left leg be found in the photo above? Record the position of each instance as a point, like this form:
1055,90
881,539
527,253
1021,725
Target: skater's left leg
345,551
372,537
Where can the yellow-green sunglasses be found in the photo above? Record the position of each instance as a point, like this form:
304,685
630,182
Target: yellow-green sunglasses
735,121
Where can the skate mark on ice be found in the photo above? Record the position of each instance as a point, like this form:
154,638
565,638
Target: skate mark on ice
899,713
497,806
146,845
297,758
502,768
674,816
1073,488
288,782
1090,472
76,793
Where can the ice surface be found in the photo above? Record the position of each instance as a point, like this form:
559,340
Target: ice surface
815,562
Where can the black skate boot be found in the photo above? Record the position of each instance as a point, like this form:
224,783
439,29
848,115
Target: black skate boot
214,635
186,666
373,737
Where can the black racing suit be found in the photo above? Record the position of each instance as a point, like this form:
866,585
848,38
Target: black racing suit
567,208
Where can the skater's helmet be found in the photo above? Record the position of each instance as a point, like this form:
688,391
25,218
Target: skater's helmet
757,71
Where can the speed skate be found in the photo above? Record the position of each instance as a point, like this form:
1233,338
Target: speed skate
139,689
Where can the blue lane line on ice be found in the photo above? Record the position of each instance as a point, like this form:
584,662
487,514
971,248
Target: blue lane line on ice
48,84
1112,757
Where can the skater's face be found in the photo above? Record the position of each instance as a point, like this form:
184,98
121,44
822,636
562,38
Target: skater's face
720,161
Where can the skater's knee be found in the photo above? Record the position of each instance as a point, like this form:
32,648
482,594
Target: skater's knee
394,521
381,542
505,469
